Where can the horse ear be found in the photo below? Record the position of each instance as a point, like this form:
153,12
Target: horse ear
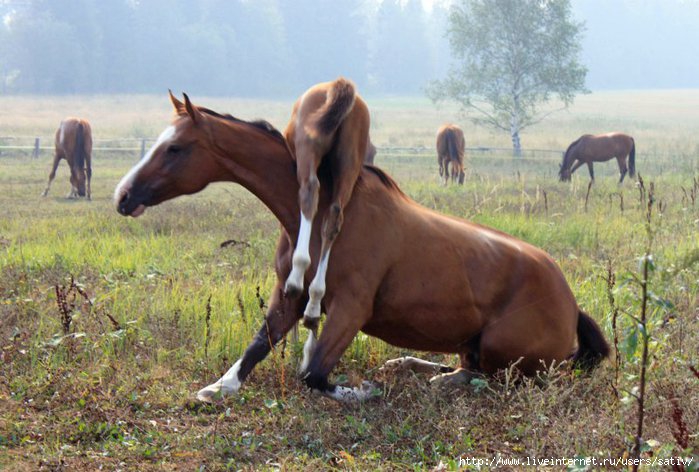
179,106
193,113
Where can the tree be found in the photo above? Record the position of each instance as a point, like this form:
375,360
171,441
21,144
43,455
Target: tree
515,56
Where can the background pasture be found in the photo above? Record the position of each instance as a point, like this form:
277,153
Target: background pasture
103,371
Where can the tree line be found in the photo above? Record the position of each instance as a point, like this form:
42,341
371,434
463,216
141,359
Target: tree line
219,47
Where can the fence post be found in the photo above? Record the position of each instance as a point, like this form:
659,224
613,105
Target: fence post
37,146
143,147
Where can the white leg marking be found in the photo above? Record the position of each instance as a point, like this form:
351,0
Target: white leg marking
302,258
229,383
355,394
127,180
316,291
308,349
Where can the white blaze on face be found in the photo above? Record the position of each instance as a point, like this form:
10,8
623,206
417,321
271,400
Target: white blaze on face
127,181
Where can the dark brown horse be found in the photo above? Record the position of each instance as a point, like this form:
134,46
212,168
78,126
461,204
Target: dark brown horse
400,272
602,147
74,144
450,149
329,123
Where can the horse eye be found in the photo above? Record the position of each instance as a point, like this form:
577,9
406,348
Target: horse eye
174,149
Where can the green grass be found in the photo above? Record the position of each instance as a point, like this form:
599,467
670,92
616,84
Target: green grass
122,397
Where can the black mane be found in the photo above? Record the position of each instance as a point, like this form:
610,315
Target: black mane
262,125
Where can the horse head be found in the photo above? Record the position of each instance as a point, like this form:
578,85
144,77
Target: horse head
563,173
77,180
179,163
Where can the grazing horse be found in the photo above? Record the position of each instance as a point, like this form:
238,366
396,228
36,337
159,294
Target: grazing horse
450,149
419,280
599,148
74,144
329,124
370,153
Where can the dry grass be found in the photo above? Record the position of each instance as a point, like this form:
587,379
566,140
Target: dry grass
119,395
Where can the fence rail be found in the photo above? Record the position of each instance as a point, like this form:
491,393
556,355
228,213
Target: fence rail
37,144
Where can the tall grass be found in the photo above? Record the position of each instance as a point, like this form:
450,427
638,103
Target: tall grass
185,307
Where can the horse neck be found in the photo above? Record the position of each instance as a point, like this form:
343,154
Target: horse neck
262,164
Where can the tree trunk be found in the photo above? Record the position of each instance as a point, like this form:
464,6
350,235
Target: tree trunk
514,129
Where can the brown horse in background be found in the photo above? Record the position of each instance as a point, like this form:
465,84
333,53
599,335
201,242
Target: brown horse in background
450,149
603,147
370,153
401,272
74,144
329,124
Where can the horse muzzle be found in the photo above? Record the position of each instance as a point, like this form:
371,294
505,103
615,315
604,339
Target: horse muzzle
128,206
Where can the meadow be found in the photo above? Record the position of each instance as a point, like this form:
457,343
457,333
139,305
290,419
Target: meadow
109,325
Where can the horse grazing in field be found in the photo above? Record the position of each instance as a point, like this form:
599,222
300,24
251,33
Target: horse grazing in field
370,154
418,279
74,144
329,124
450,149
599,148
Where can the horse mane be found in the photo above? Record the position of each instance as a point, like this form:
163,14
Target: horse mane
570,147
384,178
262,125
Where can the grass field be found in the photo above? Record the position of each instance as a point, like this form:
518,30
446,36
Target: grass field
108,325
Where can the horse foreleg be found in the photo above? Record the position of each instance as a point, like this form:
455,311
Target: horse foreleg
52,174
89,178
345,318
282,315
576,166
592,172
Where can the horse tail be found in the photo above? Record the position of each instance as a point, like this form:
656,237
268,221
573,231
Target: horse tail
79,154
592,347
632,158
337,106
452,147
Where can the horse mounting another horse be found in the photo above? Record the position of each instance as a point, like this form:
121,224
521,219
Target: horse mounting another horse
74,144
400,272
599,148
329,124
450,149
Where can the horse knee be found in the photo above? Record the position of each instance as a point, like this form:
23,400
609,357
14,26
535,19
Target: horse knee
308,195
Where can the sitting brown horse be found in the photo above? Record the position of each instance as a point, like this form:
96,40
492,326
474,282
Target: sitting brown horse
400,272
74,144
450,149
329,123
602,147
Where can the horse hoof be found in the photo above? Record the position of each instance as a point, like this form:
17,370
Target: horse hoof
210,394
292,290
311,322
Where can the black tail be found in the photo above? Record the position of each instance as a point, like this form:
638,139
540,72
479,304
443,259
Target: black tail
79,151
592,347
451,146
338,105
632,159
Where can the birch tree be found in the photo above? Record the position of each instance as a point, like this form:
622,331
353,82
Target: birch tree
512,58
